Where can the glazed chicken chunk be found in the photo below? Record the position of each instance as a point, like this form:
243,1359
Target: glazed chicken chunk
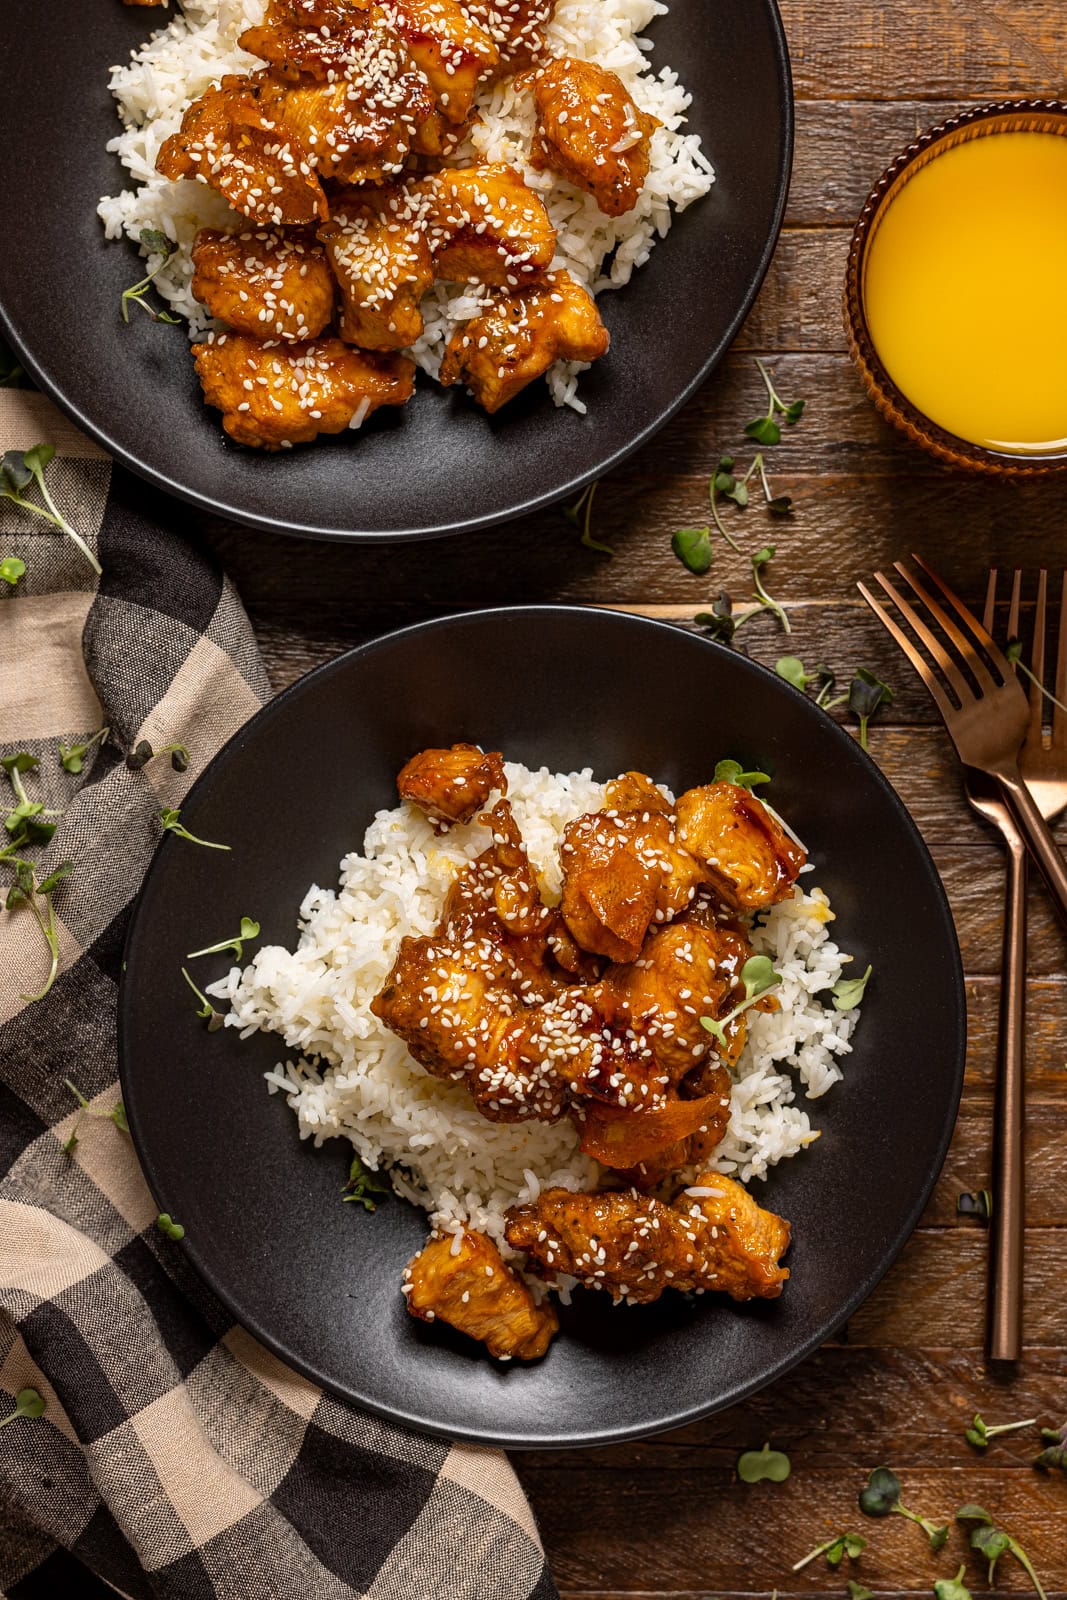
227,140
516,27
744,852
382,263
621,871
713,1236
485,225
272,285
448,46
274,395
590,131
519,336
474,1290
451,785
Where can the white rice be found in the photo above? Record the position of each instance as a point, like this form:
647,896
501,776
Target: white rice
178,63
349,1077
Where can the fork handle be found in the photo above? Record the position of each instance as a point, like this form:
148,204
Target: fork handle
1036,832
1009,1188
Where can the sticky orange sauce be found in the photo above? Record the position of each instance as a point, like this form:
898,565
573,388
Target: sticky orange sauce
965,291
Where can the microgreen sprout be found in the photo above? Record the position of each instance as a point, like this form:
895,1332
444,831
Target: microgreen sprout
729,771
992,1543
213,1018
168,1227
28,1403
719,621
157,244
835,1550
118,1116
21,468
249,930
27,890
362,1186
766,601
978,1204
757,1466
980,1432
1014,652
848,992
759,977
581,514
952,1588
692,546
858,1591
765,430
1055,1453
11,570
881,1498
865,696
169,818
72,757
142,753
83,1106
793,670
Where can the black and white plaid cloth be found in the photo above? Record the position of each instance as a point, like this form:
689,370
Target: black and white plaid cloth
175,1456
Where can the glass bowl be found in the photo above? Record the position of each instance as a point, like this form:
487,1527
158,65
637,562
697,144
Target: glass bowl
1005,116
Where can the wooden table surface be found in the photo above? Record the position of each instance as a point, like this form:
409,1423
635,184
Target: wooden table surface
667,1517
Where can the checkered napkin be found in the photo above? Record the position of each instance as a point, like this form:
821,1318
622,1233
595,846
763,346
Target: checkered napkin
175,1456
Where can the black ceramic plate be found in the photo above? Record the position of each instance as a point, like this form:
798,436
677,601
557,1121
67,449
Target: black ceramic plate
441,465
318,1281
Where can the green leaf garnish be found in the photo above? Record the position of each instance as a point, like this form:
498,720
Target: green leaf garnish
835,1550
848,992
1055,1452
213,1018
980,1432
764,430
692,546
865,696
766,1465
168,1227
581,514
729,771
979,1204
758,977
993,1542
719,621
156,243
28,1403
881,1498
791,668
363,1186
766,601
72,757
169,818
118,1117
12,569
20,469
249,930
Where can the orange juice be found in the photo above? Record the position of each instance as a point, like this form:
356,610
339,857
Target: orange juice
965,290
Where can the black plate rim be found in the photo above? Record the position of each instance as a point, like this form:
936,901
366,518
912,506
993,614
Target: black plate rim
527,507
589,1437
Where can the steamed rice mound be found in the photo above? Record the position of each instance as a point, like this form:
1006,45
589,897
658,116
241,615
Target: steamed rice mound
348,1077
177,64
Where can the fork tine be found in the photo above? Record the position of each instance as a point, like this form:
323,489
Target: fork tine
918,661
1037,663
1059,718
990,600
991,649
1013,609
932,643
964,645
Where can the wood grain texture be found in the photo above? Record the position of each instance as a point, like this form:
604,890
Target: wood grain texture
665,1519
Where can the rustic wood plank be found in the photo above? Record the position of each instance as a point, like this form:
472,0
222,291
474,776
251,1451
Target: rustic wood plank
945,49
844,146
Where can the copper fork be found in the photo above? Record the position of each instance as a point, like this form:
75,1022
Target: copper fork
980,699
1050,792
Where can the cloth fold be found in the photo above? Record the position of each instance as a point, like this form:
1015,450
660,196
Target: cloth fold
175,1456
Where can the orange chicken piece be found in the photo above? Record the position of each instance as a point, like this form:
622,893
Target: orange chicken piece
744,852
449,48
382,263
271,285
635,1247
516,27
274,395
229,141
476,1291
484,225
451,785
590,131
519,336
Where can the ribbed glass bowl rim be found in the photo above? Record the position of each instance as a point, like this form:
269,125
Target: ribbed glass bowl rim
891,401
